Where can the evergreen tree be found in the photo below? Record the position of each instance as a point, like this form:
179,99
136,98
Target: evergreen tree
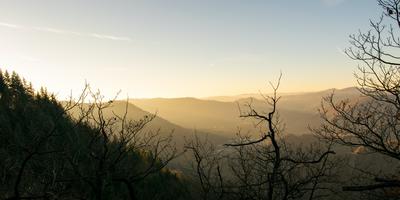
48,154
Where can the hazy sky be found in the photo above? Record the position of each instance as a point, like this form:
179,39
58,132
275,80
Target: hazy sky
170,48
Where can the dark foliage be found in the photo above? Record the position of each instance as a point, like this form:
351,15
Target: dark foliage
47,154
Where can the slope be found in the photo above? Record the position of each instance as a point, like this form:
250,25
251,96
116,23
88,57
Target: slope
297,111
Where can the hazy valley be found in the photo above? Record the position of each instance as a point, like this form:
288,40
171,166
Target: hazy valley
297,112
155,100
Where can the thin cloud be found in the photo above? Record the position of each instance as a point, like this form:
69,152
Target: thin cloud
58,31
9,25
67,32
110,37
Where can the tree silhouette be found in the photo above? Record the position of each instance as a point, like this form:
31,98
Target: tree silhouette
371,124
264,168
72,150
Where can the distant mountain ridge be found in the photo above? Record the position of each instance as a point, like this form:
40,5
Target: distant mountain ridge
297,111
231,98
165,127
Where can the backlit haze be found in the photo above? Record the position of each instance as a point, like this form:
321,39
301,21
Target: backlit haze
181,47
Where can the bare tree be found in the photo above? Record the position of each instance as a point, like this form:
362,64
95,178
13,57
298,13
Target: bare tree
372,123
208,161
264,168
118,150
283,173
79,150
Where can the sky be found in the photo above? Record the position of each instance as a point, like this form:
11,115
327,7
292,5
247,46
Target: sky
180,48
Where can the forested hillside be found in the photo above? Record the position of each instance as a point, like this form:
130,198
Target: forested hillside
158,124
47,154
94,148
192,127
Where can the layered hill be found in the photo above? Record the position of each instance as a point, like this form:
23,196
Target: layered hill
164,127
297,111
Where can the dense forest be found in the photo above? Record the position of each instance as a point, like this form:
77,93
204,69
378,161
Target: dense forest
90,147
47,154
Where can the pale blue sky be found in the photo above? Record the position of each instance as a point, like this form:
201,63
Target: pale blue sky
181,47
